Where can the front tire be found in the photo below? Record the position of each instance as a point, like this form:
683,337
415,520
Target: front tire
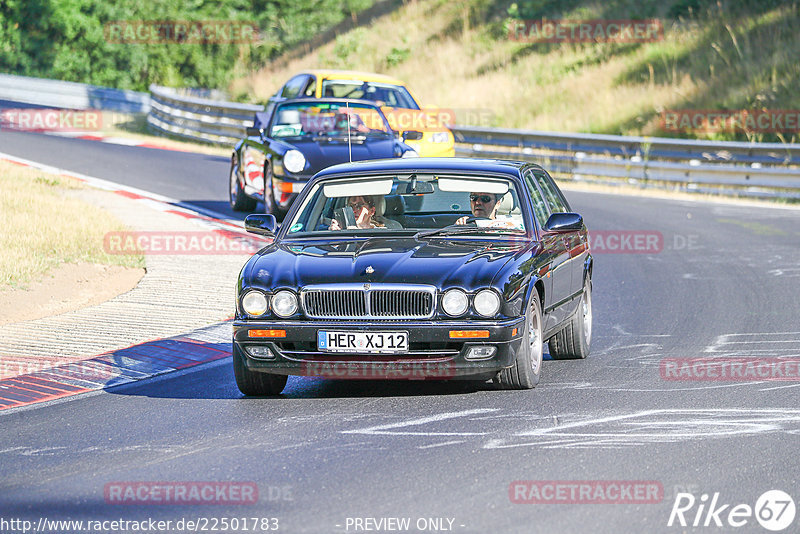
253,383
239,201
574,341
527,368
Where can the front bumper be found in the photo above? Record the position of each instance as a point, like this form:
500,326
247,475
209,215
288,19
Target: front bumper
432,353
285,189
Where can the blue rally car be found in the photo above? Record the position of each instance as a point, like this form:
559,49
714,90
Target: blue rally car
294,139
425,268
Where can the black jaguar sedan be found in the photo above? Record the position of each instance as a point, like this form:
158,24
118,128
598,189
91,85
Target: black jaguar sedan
295,139
416,269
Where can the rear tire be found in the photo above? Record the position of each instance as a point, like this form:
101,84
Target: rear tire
527,368
239,201
253,383
574,341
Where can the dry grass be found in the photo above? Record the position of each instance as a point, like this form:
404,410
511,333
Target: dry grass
725,57
41,226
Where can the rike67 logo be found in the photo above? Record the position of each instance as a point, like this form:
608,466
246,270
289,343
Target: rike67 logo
774,510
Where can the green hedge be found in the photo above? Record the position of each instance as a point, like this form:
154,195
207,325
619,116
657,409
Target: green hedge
67,39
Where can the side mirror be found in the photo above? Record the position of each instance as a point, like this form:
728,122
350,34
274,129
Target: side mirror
261,224
254,132
412,135
564,222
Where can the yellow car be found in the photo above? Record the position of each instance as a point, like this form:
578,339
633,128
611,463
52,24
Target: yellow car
425,130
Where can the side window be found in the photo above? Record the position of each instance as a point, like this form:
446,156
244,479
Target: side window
539,205
311,87
293,87
551,194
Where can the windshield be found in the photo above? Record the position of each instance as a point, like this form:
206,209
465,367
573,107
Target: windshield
381,93
328,119
425,205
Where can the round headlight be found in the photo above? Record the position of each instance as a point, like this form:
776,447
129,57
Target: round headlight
294,161
254,303
455,302
487,303
284,304
410,154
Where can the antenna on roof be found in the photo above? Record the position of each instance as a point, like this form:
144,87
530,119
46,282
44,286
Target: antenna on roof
349,144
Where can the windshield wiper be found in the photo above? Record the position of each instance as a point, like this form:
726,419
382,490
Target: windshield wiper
356,138
455,229
449,230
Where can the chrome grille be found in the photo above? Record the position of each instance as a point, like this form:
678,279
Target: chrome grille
347,303
368,301
391,303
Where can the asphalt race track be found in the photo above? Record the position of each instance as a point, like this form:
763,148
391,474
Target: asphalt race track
722,283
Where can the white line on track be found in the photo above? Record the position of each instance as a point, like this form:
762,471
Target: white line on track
386,430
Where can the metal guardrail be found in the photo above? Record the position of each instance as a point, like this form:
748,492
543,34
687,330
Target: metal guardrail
199,119
71,95
748,169
661,148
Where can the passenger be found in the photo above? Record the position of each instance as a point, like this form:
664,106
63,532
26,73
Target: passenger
364,209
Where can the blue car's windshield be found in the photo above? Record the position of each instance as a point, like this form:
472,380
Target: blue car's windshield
421,204
330,119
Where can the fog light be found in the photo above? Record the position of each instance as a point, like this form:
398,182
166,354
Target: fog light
260,353
480,353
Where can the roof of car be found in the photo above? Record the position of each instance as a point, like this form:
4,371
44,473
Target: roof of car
311,100
333,74
427,165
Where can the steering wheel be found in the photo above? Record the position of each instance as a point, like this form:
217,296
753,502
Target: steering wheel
473,219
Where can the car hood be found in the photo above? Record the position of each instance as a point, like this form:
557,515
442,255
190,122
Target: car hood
442,263
323,153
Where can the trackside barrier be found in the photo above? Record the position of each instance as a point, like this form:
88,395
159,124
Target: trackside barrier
199,119
748,169
71,95
740,168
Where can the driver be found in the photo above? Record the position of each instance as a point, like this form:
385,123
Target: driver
342,118
483,205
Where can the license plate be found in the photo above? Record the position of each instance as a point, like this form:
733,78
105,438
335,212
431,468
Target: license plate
364,342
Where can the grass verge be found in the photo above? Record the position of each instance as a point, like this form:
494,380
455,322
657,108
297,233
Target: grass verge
42,227
714,55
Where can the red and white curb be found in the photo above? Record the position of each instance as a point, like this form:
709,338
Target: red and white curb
125,141
139,361
117,367
207,218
